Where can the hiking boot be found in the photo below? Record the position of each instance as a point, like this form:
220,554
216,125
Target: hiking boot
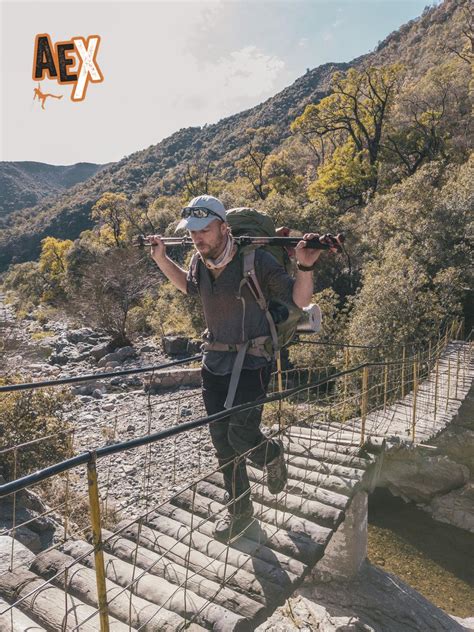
231,525
277,474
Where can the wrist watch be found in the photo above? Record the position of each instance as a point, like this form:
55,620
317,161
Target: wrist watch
303,268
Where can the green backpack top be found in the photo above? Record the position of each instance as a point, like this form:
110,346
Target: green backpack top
248,221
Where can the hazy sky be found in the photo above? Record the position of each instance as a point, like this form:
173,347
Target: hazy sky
169,65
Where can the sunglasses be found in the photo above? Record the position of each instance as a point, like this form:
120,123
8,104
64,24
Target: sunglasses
198,211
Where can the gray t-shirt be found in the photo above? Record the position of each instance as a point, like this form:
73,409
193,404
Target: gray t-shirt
224,311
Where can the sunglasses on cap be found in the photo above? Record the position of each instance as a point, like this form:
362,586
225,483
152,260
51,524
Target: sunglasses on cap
198,211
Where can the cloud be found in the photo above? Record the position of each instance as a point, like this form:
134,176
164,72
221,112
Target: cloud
237,78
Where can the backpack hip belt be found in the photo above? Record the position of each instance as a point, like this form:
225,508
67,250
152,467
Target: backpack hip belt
255,347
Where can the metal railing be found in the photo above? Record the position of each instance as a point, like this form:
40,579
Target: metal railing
348,406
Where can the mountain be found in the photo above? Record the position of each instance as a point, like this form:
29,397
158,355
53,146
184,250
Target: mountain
419,45
25,184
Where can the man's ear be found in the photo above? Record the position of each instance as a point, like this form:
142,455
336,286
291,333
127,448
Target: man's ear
225,228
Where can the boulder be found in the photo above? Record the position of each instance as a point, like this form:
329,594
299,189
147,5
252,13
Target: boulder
174,345
125,352
456,508
63,357
415,476
112,365
194,346
173,379
22,556
85,334
100,350
89,388
374,601
110,357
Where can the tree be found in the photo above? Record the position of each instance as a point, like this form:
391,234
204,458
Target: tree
252,162
356,110
281,175
53,266
396,304
111,210
426,122
197,177
110,288
33,415
344,178
466,50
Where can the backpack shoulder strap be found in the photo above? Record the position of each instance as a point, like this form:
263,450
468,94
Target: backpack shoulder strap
249,278
194,268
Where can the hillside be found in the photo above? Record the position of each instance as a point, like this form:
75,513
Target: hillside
158,170
24,184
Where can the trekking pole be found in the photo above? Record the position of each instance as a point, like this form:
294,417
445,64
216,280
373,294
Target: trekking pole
336,241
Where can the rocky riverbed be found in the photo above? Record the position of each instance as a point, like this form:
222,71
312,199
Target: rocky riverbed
104,411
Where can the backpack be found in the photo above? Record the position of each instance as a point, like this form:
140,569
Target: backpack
285,317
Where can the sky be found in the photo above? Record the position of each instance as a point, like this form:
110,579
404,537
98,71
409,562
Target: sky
169,65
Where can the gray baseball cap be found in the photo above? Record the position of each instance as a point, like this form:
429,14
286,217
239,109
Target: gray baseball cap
203,202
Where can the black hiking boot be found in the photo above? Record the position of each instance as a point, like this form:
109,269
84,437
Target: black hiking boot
277,473
230,525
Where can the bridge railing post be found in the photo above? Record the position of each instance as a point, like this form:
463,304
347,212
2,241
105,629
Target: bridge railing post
448,385
415,392
385,384
403,370
458,367
436,388
364,402
94,508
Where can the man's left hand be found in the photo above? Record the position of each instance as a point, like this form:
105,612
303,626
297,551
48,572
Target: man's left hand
308,256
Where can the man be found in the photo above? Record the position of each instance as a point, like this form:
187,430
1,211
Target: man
233,317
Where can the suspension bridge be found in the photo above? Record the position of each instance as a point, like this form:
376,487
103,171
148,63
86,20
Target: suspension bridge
162,569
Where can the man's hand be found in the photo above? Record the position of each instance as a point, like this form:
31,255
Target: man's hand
170,269
158,248
308,256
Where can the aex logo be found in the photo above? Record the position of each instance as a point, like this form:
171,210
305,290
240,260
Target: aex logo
68,62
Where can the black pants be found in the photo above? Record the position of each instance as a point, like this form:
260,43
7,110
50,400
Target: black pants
237,433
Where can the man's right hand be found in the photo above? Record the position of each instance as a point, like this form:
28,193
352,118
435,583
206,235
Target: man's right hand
158,248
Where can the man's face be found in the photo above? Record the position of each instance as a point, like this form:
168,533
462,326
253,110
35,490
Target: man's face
210,241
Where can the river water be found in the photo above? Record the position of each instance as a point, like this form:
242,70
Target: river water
434,558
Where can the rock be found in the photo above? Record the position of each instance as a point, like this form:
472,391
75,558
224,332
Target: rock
130,428
456,508
116,381
108,406
133,381
147,349
60,358
112,365
185,412
374,601
110,357
174,345
21,554
415,476
97,394
28,538
468,623
89,388
458,444
194,346
100,350
173,379
81,335
125,352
